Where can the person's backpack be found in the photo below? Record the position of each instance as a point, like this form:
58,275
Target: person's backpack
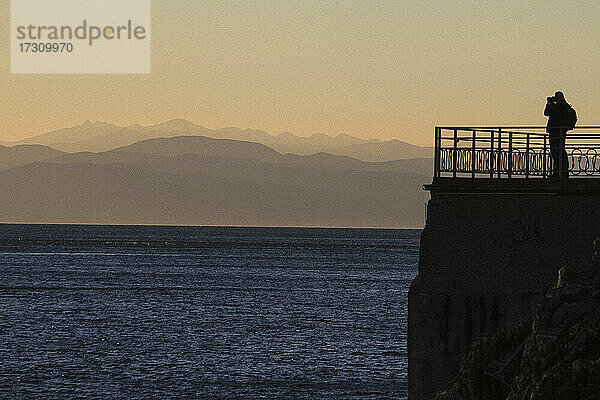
570,118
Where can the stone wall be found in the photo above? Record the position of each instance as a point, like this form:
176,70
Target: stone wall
484,261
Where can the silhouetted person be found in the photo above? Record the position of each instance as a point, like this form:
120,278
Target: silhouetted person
561,118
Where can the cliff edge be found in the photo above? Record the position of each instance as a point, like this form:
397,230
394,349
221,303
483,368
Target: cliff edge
556,355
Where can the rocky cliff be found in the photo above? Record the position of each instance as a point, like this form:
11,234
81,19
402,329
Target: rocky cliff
556,355
485,260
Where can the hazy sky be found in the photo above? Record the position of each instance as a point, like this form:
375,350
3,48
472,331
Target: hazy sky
375,69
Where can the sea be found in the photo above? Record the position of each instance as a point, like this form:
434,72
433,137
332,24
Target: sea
165,312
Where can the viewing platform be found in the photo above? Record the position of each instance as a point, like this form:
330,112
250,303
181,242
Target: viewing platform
499,226
514,159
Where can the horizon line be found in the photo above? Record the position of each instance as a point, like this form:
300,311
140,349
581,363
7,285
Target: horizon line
214,226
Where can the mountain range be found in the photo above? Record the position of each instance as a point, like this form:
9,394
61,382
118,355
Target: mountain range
101,136
201,180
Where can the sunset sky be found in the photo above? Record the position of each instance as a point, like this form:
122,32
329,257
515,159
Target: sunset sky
380,69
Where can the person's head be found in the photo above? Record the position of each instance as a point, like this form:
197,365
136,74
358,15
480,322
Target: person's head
560,97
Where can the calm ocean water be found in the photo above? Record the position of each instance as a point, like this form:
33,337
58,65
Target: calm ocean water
197,312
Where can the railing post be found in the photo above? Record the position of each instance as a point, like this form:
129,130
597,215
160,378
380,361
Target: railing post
499,151
437,150
473,156
527,158
560,158
492,153
455,153
510,160
545,155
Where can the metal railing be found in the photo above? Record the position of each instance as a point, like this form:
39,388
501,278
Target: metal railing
507,152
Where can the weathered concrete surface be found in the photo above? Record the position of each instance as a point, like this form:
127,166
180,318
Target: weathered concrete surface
485,259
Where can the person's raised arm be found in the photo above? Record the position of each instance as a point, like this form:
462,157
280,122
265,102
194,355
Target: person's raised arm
548,109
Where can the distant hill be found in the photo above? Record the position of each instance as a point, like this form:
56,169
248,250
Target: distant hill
152,150
196,190
100,136
206,181
83,132
289,143
202,145
385,151
11,157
